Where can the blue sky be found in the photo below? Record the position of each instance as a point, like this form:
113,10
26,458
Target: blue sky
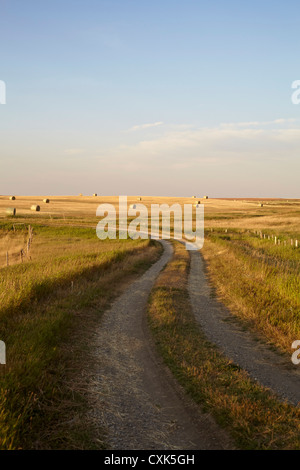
155,98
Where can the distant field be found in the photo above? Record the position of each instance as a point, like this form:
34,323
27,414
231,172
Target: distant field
279,216
244,213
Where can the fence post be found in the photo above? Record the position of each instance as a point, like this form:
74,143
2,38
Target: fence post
30,234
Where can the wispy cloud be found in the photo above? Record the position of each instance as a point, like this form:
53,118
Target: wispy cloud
145,126
259,123
259,160
220,145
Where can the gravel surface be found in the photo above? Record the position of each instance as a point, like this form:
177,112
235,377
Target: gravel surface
271,369
138,402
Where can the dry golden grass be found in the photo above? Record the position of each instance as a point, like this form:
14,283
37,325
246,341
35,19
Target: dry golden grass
275,214
259,282
11,244
175,274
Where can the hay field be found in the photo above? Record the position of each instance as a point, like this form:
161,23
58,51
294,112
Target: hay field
277,215
243,213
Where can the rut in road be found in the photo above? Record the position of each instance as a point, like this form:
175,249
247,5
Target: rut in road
139,403
269,368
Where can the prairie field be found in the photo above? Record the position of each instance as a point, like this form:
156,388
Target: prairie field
53,292
256,278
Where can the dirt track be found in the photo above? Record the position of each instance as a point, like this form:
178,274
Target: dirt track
140,404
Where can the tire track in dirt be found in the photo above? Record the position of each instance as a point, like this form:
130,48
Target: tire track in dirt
138,402
271,369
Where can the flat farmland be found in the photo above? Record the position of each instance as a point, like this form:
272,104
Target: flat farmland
58,281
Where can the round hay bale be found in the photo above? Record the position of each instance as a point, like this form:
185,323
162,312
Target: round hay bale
132,206
205,197
35,208
95,194
139,198
12,198
196,205
46,201
11,211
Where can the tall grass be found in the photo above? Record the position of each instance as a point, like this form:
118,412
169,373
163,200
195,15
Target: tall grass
259,281
47,308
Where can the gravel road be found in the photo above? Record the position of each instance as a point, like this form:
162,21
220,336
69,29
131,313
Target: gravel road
139,403
271,369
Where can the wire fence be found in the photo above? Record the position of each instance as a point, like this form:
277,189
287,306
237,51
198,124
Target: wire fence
23,254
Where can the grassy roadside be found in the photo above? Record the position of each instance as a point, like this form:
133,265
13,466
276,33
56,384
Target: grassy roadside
258,281
48,313
254,418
